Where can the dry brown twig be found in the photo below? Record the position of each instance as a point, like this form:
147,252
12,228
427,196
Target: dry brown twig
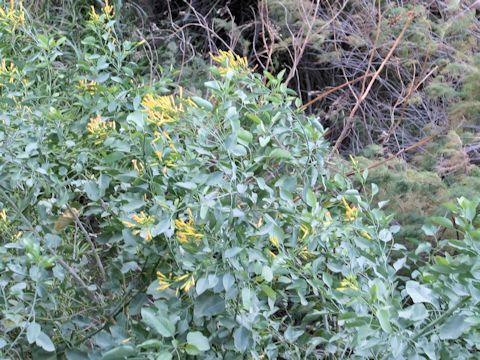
391,157
74,213
300,50
332,90
351,118
412,88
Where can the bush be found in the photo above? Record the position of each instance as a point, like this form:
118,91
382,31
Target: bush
145,221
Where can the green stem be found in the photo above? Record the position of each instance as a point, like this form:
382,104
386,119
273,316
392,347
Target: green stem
439,319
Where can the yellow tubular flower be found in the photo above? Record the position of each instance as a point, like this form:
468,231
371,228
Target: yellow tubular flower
141,224
159,155
88,87
259,223
350,212
163,281
350,282
148,236
229,61
138,166
354,162
274,241
305,231
169,164
186,231
143,219
328,218
128,224
8,70
108,10
304,253
188,284
161,109
93,14
14,15
366,235
100,128
181,277
271,253
3,215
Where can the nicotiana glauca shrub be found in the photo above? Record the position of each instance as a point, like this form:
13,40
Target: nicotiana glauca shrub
151,222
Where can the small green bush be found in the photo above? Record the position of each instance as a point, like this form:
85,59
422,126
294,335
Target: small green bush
144,221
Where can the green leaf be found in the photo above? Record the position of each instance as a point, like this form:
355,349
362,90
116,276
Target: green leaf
76,355
469,208
202,103
280,154
162,325
311,198
228,281
92,190
244,136
238,150
383,316
230,253
267,273
44,342
453,328
191,350
209,305
292,334
442,221
150,344
241,338
164,355
416,312
385,235
269,291
137,118
198,340
186,185
120,352
397,265
419,293
33,331
202,285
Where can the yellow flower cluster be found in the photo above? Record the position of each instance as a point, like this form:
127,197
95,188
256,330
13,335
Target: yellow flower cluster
274,241
276,244
350,282
304,253
186,231
328,218
165,282
3,215
8,70
141,222
107,13
138,166
99,128
88,87
229,62
161,109
366,235
164,135
351,213
159,136
305,231
13,16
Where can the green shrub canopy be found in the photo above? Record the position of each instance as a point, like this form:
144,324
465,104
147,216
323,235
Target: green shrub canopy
149,222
